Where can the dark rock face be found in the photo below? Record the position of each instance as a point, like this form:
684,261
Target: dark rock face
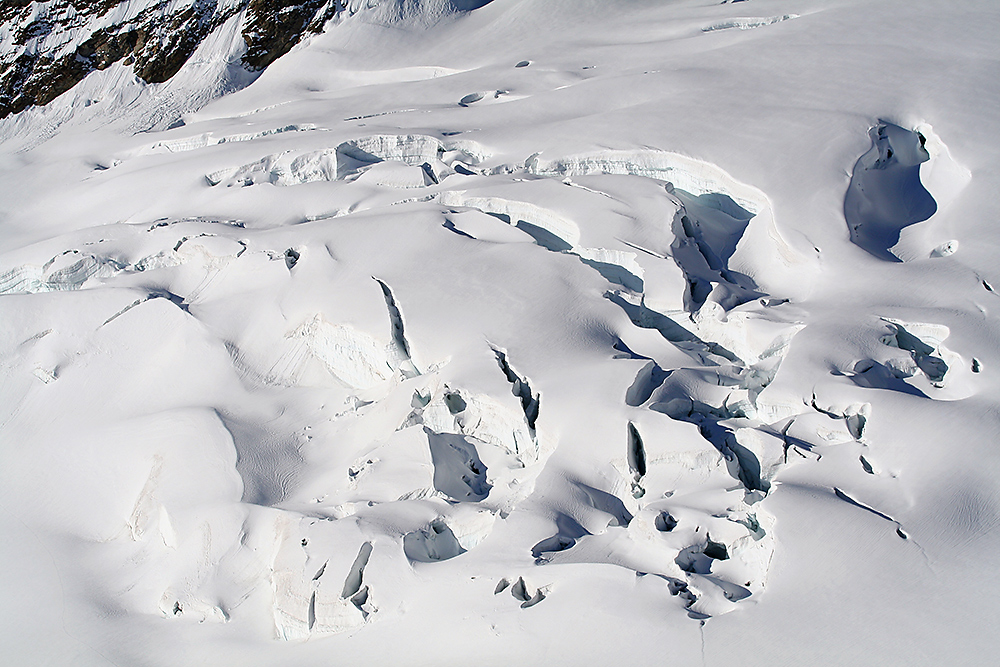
273,27
51,46
36,67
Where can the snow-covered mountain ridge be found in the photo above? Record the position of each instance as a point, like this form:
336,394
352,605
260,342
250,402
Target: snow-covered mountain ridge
47,48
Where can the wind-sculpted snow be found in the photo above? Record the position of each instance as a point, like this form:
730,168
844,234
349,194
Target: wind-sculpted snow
455,462
748,23
550,230
433,160
463,460
928,355
66,272
208,139
530,334
693,176
472,444
554,233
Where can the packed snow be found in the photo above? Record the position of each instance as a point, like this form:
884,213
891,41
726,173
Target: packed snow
519,332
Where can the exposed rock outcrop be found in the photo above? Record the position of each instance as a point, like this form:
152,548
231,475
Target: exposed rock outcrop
47,48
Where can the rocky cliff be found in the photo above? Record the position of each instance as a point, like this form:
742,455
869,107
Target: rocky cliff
46,48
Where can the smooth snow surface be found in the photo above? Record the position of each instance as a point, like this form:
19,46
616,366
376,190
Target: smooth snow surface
528,332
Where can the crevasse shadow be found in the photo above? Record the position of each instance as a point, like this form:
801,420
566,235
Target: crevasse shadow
706,232
885,194
459,473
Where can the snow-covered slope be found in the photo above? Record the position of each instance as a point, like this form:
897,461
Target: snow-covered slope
513,332
141,65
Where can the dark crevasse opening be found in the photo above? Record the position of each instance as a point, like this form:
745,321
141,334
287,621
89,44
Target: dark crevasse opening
885,194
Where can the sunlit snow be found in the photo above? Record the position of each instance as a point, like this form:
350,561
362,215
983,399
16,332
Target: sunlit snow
519,332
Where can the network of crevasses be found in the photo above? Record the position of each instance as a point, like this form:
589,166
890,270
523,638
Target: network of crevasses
701,250
485,456
719,565
485,461
718,397
716,568
715,559
462,429
457,446
713,212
